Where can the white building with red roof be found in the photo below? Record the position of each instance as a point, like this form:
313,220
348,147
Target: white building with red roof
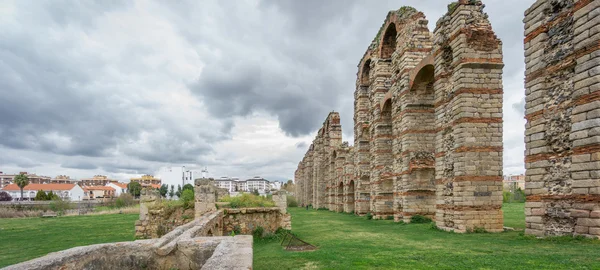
71,192
120,188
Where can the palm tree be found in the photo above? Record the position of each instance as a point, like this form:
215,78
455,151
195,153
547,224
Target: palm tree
22,181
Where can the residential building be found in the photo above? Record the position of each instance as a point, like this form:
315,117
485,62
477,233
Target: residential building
63,179
94,192
147,181
65,191
229,183
258,183
6,179
97,180
512,182
120,188
177,176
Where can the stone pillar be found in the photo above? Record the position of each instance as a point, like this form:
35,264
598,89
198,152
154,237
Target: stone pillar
205,196
147,197
468,113
562,134
280,199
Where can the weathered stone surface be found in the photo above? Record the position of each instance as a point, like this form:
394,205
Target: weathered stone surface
561,103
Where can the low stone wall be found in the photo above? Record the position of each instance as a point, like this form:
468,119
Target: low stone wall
160,221
246,220
183,248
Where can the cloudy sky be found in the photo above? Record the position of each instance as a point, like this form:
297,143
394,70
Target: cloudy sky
123,88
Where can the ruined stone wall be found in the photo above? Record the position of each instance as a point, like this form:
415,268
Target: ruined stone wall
161,220
427,125
562,80
185,247
246,220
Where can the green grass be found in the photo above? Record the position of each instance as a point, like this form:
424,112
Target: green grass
514,215
350,242
22,239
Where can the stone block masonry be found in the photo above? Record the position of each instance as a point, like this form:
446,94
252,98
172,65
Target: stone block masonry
427,127
562,136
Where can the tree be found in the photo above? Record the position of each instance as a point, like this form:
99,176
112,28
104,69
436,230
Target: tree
178,192
134,188
22,181
188,187
164,189
41,196
289,186
255,192
5,197
172,191
52,196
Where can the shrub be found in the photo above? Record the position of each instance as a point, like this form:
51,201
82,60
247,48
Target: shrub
124,200
419,219
5,197
59,206
41,196
187,187
291,201
187,197
247,200
258,232
390,218
51,196
517,196
369,215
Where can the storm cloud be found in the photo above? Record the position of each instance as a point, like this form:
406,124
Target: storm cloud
125,87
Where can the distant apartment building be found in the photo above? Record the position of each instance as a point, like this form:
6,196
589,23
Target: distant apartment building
65,191
229,183
258,183
147,181
97,180
63,179
512,182
234,184
6,179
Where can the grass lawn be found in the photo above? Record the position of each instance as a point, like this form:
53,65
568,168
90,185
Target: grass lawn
22,239
349,242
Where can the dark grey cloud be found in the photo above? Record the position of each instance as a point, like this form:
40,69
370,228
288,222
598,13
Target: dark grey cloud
81,165
301,145
151,83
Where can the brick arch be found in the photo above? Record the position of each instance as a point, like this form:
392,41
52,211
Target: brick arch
387,44
423,66
388,97
365,70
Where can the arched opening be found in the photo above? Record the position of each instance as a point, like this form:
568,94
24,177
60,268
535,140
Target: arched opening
418,183
340,198
350,198
424,80
382,166
365,73
209,233
332,196
388,43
